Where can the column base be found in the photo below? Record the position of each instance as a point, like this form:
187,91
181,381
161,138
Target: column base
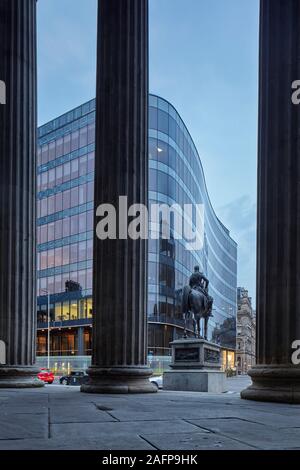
271,383
119,380
19,377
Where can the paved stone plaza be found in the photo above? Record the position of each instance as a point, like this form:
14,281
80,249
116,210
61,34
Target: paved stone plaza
58,417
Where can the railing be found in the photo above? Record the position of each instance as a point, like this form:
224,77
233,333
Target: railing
64,364
63,352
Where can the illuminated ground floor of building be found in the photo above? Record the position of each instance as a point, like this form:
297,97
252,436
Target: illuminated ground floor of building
71,346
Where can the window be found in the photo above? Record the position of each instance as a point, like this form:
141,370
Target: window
45,154
66,199
58,202
44,257
172,128
59,147
82,278
152,273
66,311
74,197
65,278
163,152
57,284
73,253
82,308
152,118
51,231
81,251
66,227
44,207
50,285
44,181
162,183
82,222
89,306
44,234
58,229
51,205
58,257
67,144
42,313
67,171
51,151
74,225
51,180
51,260
90,218
74,309
152,180
89,279
163,122
91,162
90,191
153,149
83,137
43,285
91,133
66,255
82,194
74,276
89,254
83,165
75,141
74,169
59,175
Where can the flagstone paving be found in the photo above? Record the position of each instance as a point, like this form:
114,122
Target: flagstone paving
59,417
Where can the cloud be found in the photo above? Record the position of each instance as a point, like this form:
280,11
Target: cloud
240,217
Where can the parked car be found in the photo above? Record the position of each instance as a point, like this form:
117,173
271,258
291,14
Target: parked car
75,378
46,376
158,381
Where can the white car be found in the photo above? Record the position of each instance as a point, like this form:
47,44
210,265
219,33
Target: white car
158,381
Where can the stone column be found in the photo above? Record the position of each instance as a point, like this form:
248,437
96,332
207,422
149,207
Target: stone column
17,192
275,377
120,266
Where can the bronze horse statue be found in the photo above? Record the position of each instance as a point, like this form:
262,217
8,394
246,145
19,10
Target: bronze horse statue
196,304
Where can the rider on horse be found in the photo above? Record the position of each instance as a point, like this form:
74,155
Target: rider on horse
198,281
196,302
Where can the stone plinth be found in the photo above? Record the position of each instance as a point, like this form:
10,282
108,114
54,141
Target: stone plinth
195,354
212,381
195,365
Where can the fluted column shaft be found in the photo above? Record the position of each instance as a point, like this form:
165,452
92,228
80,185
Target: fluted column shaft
17,191
275,377
120,266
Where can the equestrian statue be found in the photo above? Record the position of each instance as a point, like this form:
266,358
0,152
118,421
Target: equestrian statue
197,303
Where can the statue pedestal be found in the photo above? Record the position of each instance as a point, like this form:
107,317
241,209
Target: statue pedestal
196,367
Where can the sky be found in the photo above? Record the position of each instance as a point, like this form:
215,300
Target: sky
204,60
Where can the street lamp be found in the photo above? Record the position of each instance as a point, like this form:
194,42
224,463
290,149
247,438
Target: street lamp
48,328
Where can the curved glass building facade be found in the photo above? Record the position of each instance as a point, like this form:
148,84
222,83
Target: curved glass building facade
176,176
65,236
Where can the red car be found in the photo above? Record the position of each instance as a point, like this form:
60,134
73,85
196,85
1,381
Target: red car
46,376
